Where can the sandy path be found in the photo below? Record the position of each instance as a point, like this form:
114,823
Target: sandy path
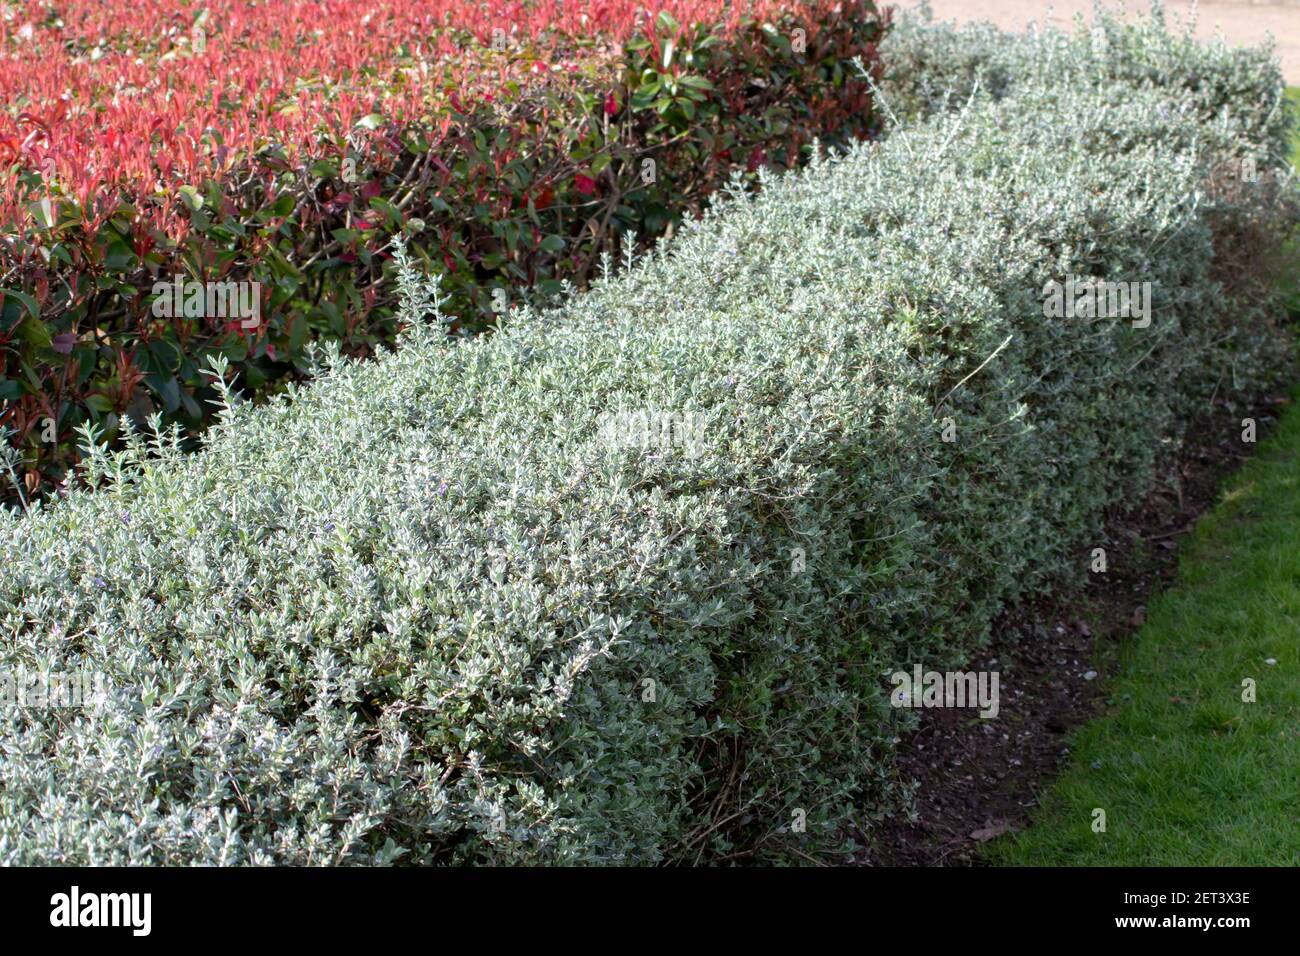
1241,21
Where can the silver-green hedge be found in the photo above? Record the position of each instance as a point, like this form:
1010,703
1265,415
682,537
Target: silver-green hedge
431,608
934,66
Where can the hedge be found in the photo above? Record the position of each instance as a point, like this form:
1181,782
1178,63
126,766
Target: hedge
466,604
509,154
936,66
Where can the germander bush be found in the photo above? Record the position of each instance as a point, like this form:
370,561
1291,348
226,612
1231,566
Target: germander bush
934,66
428,611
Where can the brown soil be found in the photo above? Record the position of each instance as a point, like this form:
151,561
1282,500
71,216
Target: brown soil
978,779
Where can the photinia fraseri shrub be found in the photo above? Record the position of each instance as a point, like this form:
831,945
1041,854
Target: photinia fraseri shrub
510,146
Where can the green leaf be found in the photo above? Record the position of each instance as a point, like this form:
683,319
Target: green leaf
391,212
236,349
643,99
696,82
99,404
165,354
44,213
191,406
285,266
191,198
31,329
167,388
119,257
26,300
283,206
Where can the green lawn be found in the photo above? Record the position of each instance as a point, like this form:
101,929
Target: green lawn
1186,771
1294,93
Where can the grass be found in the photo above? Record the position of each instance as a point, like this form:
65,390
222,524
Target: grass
1187,772
1294,93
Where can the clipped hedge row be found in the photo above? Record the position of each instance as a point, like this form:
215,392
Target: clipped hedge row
515,180
435,608
935,66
